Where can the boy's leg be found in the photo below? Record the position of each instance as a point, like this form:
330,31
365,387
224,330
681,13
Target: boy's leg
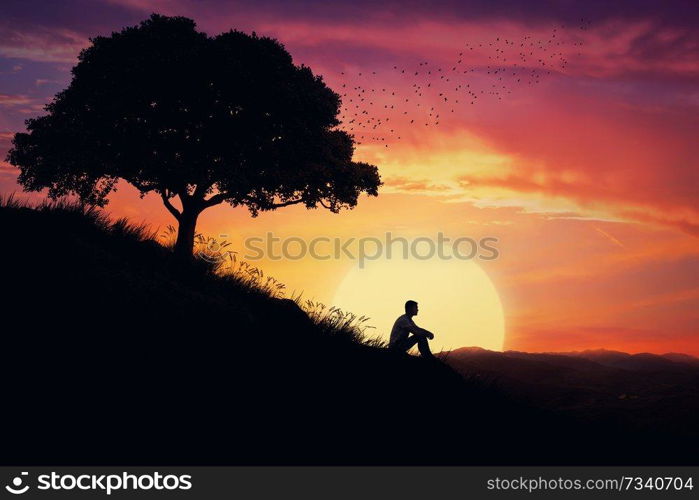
424,347
406,344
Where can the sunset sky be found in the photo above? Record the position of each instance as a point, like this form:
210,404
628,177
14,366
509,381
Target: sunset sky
579,153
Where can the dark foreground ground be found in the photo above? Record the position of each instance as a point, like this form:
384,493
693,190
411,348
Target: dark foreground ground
116,353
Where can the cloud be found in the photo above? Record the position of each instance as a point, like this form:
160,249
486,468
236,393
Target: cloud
15,100
6,137
688,226
409,185
52,44
40,82
590,197
21,103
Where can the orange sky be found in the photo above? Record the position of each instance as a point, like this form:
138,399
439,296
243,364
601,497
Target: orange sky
588,177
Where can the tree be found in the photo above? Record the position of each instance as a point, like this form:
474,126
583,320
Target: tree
203,119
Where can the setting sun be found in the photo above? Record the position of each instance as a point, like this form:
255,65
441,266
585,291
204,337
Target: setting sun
457,300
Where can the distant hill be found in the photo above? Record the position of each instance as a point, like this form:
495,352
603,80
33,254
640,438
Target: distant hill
116,352
641,361
682,358
645,392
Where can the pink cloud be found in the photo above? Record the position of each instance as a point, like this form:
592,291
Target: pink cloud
41,43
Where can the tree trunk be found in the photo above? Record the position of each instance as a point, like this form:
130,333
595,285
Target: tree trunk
184,245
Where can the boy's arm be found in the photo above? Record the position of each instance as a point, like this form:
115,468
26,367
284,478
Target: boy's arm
416,330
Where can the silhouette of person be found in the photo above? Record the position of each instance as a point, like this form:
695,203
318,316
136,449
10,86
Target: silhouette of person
401,340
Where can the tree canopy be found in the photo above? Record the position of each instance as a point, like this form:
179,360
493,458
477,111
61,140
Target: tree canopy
170,110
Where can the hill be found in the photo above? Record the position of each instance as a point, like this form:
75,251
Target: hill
116,352
645,393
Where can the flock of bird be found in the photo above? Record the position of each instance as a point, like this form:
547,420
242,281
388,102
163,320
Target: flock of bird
377,105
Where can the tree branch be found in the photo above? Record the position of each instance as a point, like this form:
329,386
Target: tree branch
287,203
214,200
169,206
264,206
201,189
220,197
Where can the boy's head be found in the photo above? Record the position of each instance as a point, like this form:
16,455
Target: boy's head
411,308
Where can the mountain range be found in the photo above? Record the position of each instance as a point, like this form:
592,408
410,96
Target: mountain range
641,391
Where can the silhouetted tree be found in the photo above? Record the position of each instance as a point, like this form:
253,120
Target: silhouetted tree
205,119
